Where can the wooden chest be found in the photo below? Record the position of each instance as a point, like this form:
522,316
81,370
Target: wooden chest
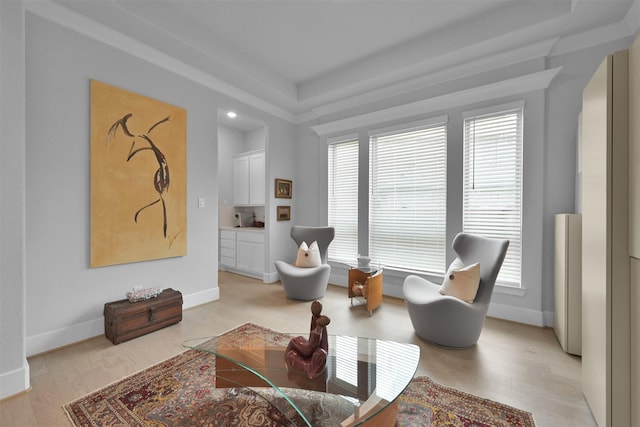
124,320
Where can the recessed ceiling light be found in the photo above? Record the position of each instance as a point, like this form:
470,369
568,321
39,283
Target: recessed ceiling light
232,114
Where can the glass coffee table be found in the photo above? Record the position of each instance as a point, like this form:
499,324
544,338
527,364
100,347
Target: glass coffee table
362,381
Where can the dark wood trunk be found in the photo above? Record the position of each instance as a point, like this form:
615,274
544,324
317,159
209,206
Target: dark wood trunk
124,320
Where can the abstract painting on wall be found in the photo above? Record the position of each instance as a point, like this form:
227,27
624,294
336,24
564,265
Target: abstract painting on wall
138,177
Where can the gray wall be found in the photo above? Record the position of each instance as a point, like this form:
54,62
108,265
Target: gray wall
64,296
255,139
230,143
14,370
60,64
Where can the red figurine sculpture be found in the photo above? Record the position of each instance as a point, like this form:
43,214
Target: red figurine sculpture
310,355
316,311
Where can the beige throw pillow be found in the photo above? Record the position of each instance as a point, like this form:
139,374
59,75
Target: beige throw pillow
308,256
461,281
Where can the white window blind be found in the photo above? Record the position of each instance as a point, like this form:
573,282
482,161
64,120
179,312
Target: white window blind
346,359
407,201
492,194
343,199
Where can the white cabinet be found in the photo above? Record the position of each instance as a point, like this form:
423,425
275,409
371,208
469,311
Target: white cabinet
635,341
606,317
256,179
250,255
634,224
249,179
241,180
242,252
567,322
228,249
634,154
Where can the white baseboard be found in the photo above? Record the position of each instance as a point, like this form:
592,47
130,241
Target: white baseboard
270,277
14,382
56,338
517,314
200,298
49,340
548,318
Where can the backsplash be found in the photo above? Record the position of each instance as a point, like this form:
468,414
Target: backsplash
225,215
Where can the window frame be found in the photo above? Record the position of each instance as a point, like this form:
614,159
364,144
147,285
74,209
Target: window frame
339,241
511,272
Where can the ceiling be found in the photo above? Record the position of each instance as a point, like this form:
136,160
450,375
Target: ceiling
305,58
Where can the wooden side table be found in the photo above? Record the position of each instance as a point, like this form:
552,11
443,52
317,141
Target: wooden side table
369,291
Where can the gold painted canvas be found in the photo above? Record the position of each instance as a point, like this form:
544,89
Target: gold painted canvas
138,177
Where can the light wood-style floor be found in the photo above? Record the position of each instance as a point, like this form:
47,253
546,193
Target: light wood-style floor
515,364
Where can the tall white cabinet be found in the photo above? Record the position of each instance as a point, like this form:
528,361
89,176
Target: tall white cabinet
634,224
567,321
606,306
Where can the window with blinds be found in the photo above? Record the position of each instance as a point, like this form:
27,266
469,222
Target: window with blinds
346,360
408,194
384,375
492,193
343,198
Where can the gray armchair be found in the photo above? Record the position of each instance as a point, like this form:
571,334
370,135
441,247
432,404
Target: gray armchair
307,283
447,320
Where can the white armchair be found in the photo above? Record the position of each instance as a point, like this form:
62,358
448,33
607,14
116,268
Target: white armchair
447,320
307,283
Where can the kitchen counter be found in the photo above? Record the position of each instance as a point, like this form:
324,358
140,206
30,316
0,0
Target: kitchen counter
253,229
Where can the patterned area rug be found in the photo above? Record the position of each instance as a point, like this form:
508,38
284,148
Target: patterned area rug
181,392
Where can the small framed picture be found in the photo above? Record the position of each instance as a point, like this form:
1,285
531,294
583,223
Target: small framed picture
284,213
284,188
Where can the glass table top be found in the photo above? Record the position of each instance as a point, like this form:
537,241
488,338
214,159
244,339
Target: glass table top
368,269
371,268
362,380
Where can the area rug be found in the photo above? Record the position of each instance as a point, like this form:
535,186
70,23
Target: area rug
181,392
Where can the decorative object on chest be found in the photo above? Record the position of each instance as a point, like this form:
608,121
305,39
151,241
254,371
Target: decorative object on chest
125,320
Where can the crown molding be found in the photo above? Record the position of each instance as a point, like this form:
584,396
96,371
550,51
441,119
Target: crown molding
597,36
632,19
515,86
487,63
311,109
92,29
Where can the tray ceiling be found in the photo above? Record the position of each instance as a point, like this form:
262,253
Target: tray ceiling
311,56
